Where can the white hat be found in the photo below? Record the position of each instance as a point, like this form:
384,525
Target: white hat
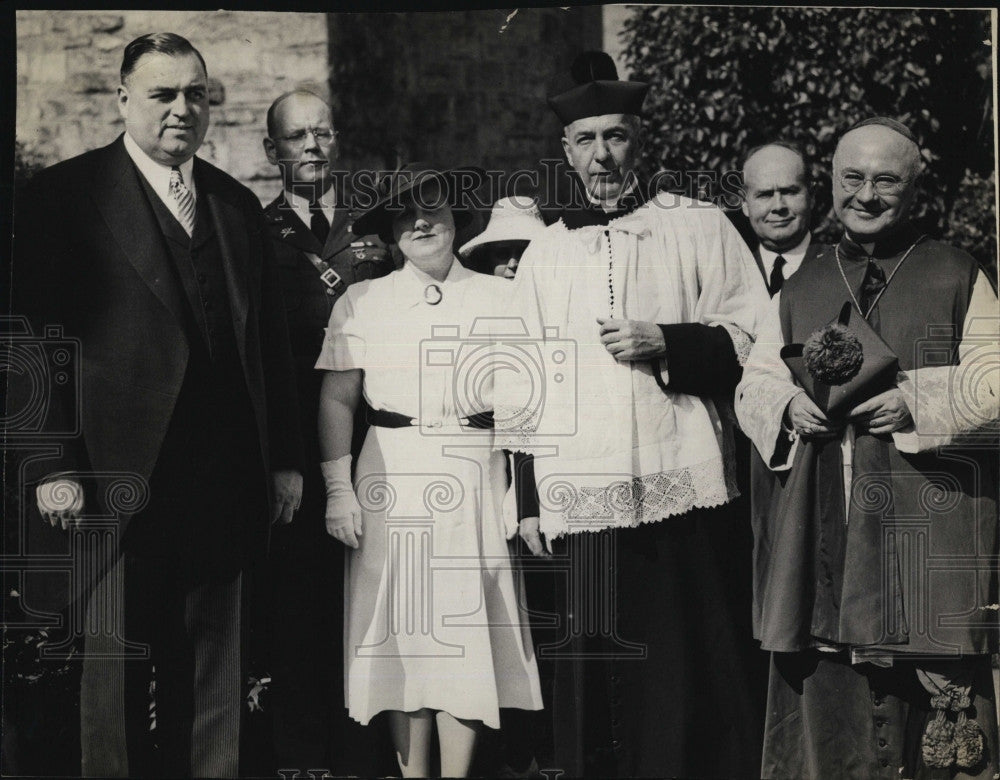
512,219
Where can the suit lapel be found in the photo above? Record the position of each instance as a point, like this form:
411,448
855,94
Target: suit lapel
120,199
231,230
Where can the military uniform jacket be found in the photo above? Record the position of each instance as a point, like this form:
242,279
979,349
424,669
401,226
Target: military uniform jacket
312,278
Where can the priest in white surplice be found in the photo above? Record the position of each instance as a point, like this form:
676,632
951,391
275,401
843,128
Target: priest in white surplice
645,308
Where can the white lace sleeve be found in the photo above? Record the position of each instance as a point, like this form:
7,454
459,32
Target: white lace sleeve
958,404
742,343
732,293
764,392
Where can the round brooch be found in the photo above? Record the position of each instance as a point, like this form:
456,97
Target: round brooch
432,294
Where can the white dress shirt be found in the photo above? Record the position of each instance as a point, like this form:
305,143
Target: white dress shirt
158,175
793,258
327,202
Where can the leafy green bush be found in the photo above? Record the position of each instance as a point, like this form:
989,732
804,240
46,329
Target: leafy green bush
725,79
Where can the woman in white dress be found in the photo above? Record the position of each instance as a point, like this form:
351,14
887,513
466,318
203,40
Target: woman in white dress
434,633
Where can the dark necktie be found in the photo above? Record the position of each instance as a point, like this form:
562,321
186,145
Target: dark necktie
318,224
777,277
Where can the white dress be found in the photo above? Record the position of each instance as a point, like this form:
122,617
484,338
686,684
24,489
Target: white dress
432,615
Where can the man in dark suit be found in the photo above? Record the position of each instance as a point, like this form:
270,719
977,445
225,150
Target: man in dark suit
318,258
158,263
778,202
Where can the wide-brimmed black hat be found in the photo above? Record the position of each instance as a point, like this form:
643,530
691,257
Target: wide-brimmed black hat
592,88
457,185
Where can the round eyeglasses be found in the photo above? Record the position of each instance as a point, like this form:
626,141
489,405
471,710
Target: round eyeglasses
851,182
323,135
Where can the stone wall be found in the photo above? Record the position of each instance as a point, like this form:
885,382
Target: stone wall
67,75
463,86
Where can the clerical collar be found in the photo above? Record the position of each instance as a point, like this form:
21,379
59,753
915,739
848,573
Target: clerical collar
590,213
890,246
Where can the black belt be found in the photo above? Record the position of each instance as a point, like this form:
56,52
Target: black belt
386,419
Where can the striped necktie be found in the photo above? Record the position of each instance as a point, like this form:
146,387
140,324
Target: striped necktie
185,200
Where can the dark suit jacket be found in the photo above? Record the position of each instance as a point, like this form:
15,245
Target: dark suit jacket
308,302
90,257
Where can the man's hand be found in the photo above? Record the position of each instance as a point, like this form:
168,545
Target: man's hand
287,495
60,501
808,420
883,414
632,339
528,530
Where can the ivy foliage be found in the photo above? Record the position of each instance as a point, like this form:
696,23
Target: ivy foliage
725,79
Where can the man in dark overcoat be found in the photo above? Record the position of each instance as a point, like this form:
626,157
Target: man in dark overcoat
158,264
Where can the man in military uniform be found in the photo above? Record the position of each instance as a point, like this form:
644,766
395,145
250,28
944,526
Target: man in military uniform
318,258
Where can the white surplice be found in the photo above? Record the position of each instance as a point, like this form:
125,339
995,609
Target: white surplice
612,449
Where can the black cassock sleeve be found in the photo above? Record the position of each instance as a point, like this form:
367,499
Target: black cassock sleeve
525,492
701,360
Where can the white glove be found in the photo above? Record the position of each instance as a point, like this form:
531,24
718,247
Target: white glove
60,501
343,513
